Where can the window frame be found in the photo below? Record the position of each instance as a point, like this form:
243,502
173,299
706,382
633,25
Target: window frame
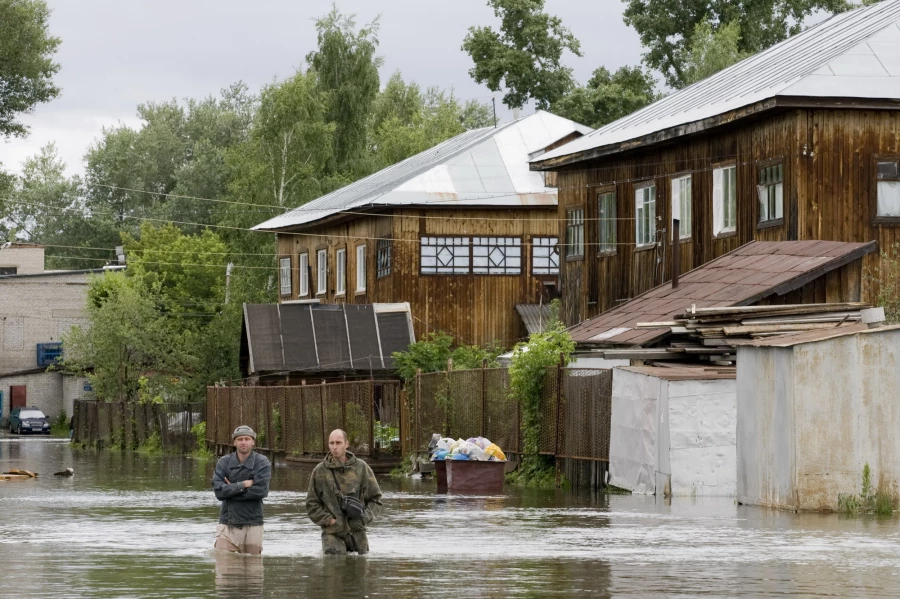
639,188
282,271
609,248
725,231
685,227
361,269
553,247
455,271
384,249
570,228
761,167
878,219
303,274
321,277
340,271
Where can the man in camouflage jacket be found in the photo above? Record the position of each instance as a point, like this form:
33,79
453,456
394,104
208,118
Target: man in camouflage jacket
340,468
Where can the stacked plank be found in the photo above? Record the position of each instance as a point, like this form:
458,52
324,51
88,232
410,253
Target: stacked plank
711,335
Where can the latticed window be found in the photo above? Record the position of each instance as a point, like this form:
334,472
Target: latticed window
724,200
681,206
771,193
444,255
575,233
606,205
383,257
645,215
545,256
496,255
285,272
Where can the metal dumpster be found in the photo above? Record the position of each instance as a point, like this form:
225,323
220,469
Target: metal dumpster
474,476
440,472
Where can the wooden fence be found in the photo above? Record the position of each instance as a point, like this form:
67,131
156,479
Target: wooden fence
129,425
296,420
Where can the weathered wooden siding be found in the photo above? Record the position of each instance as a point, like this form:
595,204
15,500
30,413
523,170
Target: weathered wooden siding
828,157
476,309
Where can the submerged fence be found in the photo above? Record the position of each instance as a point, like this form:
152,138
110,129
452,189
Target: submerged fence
129,425
576,408
298,419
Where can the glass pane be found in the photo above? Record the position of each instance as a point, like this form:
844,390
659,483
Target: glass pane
888,198
779,200
888,170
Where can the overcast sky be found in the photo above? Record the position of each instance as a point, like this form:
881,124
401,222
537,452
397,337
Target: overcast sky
116,54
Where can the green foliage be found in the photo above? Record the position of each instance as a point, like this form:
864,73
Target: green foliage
536,472
524,56
886,279
533,362
199,432
433,354
385,434
608,97
880,501
667,27
60,426
152,445
26,62
713,50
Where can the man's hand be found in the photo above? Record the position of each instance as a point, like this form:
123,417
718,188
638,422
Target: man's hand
248,483
333,520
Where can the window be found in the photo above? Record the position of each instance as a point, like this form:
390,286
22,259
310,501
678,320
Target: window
496,255
340,283
888,188
575,233
322,272
681,206
48,353
8,270
645,215
383,258
360,268
724,200
771,193
285,270
304,274
444,255
545,256
607,222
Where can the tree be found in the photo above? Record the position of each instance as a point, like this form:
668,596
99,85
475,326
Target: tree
26,62
346,68
667,27
524,56
608,97
712,50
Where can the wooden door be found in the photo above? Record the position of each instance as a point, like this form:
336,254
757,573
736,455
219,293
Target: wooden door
17,397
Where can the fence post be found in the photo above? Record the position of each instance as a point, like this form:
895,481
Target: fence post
270,434
403,415
372,417
322,409
483,399
559,384
418,388
447,427
302,417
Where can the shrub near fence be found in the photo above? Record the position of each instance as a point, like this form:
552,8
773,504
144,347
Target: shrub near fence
297,420
128,425
575,410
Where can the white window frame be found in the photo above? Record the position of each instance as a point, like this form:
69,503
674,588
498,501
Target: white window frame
321,272
606,244
496,255
303,268
444,255
771,193
681,206
284,268
340,271
888,188
360,269
724,200
545,256
645,215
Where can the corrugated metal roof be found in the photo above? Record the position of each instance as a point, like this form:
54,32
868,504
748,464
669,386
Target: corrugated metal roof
739,278
480,167
535,316
309,338
855,54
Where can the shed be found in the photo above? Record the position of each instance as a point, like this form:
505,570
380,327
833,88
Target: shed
281,342
673,431
812,410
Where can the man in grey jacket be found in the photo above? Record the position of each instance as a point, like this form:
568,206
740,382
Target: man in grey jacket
241,482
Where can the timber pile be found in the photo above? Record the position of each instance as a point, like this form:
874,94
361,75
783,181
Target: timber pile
712,334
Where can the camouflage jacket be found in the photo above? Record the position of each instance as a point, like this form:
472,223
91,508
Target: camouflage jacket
322,503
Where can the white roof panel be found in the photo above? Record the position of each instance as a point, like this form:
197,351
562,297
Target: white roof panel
855,54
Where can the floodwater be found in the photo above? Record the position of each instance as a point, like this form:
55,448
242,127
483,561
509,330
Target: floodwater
134,526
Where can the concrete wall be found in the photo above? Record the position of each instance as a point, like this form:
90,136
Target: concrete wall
37,310
50,392
812,415
27,260
673,437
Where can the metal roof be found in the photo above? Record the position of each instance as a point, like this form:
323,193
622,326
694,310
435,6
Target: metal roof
739,278
310,338
534,316
855,54
486,166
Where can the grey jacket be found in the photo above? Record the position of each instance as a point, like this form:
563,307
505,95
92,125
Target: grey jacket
242,507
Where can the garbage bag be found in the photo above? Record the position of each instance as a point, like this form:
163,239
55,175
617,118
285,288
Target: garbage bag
495,452
477,454
440,454
445,443
460,456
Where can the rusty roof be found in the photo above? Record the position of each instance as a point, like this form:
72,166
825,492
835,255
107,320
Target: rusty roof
739,278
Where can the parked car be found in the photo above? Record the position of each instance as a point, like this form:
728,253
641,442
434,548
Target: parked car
28,420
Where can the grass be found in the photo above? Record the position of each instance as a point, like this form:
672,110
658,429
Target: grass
880,502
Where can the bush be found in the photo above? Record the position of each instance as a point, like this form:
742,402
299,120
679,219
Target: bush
199,432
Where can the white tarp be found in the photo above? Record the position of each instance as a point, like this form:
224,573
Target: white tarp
633,432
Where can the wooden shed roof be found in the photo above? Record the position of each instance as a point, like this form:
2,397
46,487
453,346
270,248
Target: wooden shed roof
739,278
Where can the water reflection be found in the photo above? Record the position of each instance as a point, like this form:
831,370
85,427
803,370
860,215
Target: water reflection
129,525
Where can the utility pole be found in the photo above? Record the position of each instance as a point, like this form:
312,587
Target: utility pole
494,104
228,270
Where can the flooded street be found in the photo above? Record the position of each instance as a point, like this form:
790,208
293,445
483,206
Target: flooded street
134,526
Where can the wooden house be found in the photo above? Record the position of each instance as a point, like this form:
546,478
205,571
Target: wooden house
798,142
463,232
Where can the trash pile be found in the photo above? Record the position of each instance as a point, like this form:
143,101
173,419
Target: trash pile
474,448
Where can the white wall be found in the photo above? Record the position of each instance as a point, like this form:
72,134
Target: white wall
43,390
633,458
